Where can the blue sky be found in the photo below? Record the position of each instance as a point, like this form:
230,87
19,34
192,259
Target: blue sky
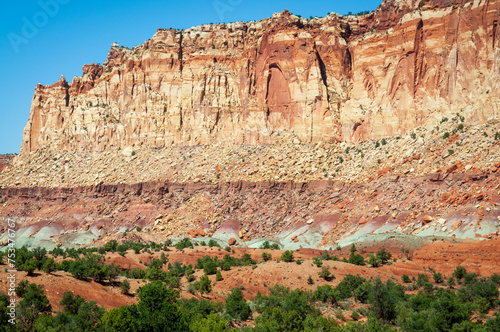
40,40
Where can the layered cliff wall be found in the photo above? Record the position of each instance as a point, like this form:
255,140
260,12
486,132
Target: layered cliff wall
337,78
461,205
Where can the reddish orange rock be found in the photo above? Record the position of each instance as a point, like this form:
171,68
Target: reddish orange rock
384,170
426,219
456,167
456,225
410,159
232,241
199,232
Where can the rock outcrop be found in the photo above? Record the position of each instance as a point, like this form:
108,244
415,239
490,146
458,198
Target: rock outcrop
5,161
336,78
327,212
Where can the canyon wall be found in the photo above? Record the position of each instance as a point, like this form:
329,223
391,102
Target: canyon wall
336,78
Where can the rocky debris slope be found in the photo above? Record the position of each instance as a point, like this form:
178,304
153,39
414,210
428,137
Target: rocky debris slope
318,213
5,161
451,146
330,79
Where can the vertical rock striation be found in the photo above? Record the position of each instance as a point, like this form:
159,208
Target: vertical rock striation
337,78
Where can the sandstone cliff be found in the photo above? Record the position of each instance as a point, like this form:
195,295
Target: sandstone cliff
337,78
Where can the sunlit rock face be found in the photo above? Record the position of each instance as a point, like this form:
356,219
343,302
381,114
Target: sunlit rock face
337,78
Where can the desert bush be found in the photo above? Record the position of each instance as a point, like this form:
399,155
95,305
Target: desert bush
287,256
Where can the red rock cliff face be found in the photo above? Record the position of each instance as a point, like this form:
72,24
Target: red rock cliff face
335,78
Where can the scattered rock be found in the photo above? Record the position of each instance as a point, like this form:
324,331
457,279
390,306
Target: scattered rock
456,225
128,151
426,219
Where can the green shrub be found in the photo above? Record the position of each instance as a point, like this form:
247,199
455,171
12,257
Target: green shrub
125,286
325,294
213,243
191,288
383,299
421,280
438,277
184,243
236,307
356,259
373,261
325,273
266,256
209,267
267,245
287,256
318,261
383,256
459,272
495,278
348,285
310,280
204,285
226,266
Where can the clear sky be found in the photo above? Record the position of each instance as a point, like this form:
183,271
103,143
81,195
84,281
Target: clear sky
40,40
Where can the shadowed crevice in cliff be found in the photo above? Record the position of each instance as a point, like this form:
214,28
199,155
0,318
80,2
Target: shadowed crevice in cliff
216,120
495,31
322,69
347,63
181,60
419,56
